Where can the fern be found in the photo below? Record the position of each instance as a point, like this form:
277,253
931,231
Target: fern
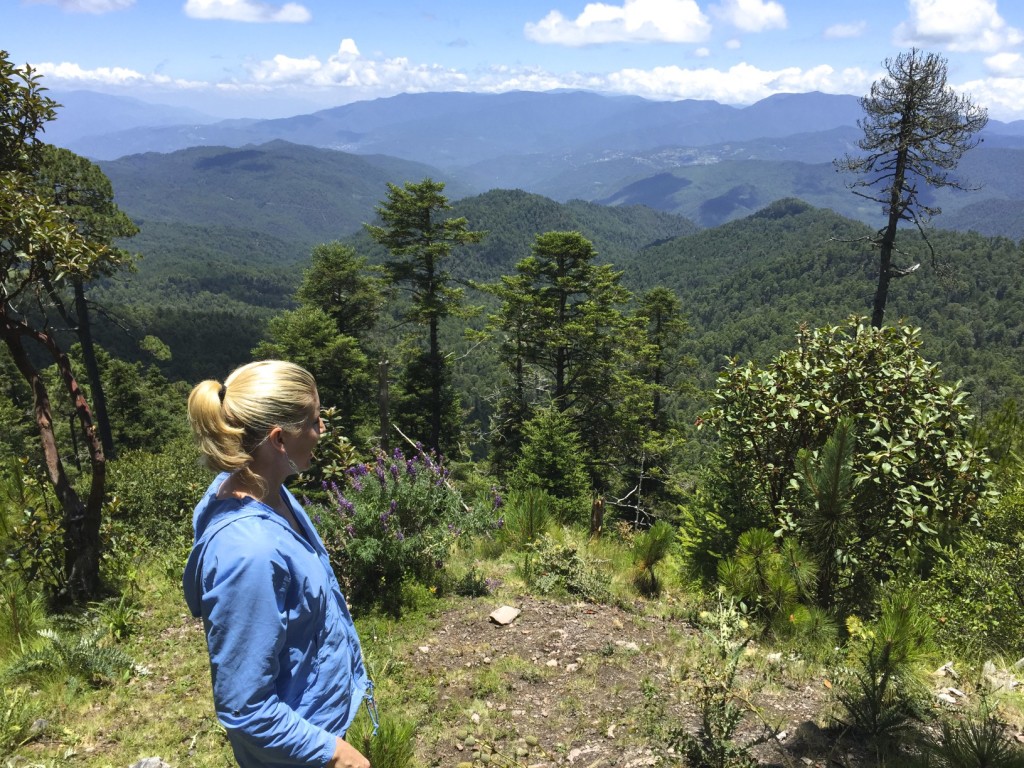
74,655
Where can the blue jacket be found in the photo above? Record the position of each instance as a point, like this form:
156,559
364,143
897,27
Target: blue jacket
288,675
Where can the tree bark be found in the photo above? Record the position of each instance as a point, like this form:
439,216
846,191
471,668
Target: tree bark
92,370
81,521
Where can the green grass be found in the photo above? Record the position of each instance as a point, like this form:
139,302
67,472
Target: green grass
431,701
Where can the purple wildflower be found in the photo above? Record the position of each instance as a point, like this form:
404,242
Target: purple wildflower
399,535
410,470
350,530
393,469
499,523
381,477
397,454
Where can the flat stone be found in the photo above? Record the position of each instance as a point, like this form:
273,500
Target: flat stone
945,698
150,762
505,615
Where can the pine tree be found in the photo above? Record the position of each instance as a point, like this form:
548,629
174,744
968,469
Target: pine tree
414,229
916,129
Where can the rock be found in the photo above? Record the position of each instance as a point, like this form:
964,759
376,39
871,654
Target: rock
571,667
150,762
946,670
505,615
551,663
424,649
945,698
808,738
998,680
475,718
610,733
1019,664
774,658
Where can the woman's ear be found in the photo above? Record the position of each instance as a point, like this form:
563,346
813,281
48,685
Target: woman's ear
276,437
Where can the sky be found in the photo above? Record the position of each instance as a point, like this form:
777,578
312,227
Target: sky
256,58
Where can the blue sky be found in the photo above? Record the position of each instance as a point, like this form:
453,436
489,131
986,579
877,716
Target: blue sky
250,58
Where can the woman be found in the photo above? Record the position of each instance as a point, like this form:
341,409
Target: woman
288,675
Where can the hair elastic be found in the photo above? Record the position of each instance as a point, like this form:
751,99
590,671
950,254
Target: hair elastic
223,391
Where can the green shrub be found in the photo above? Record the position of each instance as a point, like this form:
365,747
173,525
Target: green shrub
559,567
18,711
31,529
975,593
978,740
394,745
881,691
770,578
22,614
395,518
78,653
649,549
914,475
525,516
155,493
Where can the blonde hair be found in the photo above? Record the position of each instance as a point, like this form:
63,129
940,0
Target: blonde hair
230,421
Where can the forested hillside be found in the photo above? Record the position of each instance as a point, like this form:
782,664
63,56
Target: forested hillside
747,285
289,191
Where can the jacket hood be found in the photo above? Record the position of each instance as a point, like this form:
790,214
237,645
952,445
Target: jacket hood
211,515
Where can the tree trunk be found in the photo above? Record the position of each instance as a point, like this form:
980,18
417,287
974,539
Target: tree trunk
384,405
81,521
436,387
92,370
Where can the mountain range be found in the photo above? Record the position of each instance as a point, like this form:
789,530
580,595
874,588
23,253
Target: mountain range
706,161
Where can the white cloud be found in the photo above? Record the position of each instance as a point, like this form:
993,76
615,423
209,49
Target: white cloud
670,21
348,68
247,10
69,73
752,15
855,29
1006,64
959,25
741,84
733,45
87,6
702,53
1003,96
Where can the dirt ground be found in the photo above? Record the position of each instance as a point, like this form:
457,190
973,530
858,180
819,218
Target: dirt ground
595,687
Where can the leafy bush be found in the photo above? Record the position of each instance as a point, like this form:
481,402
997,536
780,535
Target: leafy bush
395,518
18,711
975,593
559,567
154,493
31,530
714,745
915,479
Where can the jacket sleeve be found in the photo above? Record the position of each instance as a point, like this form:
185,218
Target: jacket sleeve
244,606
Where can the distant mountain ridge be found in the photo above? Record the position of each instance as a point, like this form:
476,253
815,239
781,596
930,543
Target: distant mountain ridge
703,160
289,191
